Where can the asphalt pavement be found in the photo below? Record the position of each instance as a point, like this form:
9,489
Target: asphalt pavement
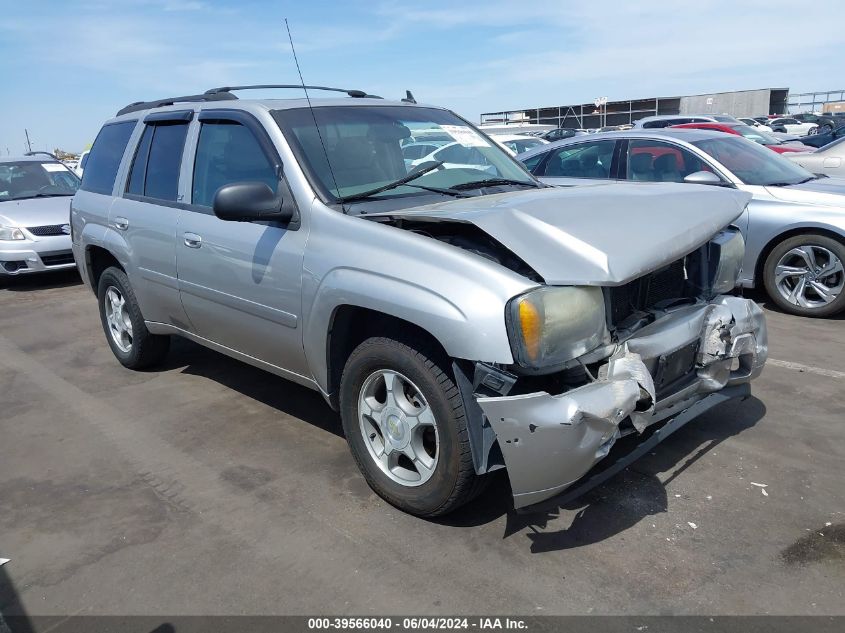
210,487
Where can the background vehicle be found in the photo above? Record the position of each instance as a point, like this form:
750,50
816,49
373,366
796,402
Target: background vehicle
450,327
823,138
420,149
752,134
790,125
80,166
794,226
562,133
35,194
755,123
665,120
456,156
518,143
828,160
825,122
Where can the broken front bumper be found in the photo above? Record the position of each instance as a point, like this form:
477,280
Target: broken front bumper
549,442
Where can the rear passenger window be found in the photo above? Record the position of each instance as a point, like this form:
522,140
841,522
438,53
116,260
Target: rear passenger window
155,169
228,152
105,156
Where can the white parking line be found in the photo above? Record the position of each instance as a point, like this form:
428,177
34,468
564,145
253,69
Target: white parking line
820,371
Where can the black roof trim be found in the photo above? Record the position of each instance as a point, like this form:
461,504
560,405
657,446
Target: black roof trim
358,94
50,154
147,105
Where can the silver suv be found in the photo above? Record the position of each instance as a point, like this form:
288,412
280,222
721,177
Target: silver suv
463,318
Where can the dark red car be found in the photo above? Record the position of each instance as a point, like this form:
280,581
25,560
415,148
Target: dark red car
752,134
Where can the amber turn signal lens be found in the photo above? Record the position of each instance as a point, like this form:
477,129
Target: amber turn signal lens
529,321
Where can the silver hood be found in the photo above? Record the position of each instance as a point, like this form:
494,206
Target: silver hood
596,235
36,211
822,191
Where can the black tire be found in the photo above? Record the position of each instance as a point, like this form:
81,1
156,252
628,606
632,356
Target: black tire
453,482
808,239
145,349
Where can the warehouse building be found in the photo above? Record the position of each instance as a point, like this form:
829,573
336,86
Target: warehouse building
589,115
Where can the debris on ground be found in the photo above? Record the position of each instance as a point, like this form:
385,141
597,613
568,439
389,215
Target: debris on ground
754,483
692,525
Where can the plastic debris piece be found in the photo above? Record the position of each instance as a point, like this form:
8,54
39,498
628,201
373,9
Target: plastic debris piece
763,490
828,524
754,483
709,497
3,561
692,525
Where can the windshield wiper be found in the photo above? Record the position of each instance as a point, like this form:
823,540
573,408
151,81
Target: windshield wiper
42,195
475,184
396,183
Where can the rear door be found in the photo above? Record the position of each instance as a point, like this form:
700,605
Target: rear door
240,282
146,212
584,163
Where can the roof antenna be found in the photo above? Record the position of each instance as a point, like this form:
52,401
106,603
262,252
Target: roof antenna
313,116
409,98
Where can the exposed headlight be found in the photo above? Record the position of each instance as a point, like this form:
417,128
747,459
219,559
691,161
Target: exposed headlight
11,233
731,250
551,325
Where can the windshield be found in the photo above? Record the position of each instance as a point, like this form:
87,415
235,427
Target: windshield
758,136
365,144
753,164
30,179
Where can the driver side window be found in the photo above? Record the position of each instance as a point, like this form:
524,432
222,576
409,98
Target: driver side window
228,152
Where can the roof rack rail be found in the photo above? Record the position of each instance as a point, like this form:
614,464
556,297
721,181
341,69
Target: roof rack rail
50,154
358,94
146,105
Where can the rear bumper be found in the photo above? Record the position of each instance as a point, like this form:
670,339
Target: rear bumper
549,442
26,257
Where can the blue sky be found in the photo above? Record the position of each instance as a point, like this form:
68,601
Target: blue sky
69,65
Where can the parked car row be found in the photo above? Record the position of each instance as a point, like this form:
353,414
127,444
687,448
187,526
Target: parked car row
794,226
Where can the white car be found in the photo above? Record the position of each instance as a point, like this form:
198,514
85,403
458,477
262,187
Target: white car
517,143
80,166
755,124
791,126
457,156
828,160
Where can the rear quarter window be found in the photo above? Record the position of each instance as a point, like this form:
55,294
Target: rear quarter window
105,156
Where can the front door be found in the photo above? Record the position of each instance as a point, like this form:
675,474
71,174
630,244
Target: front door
240,282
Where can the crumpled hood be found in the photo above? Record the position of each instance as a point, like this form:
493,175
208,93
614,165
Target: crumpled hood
36,211
823,191
598,235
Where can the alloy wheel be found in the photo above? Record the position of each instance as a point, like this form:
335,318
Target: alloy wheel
398,427
118,320
809,276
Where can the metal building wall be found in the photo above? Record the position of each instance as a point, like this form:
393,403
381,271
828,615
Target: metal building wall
743,103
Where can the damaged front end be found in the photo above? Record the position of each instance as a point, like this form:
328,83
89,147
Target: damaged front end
685,360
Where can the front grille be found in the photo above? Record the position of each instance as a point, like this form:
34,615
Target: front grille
647,291
57,258
47,230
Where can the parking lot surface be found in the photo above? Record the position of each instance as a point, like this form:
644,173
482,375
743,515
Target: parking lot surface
210,487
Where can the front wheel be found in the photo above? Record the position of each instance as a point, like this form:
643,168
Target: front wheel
130,340
804,275
404,420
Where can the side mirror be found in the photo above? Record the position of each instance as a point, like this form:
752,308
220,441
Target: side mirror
249,201
703,178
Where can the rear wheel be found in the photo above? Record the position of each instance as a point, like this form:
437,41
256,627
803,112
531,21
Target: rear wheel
804,275
130,340
405,424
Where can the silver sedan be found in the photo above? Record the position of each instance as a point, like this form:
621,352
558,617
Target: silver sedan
828,160
794,226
